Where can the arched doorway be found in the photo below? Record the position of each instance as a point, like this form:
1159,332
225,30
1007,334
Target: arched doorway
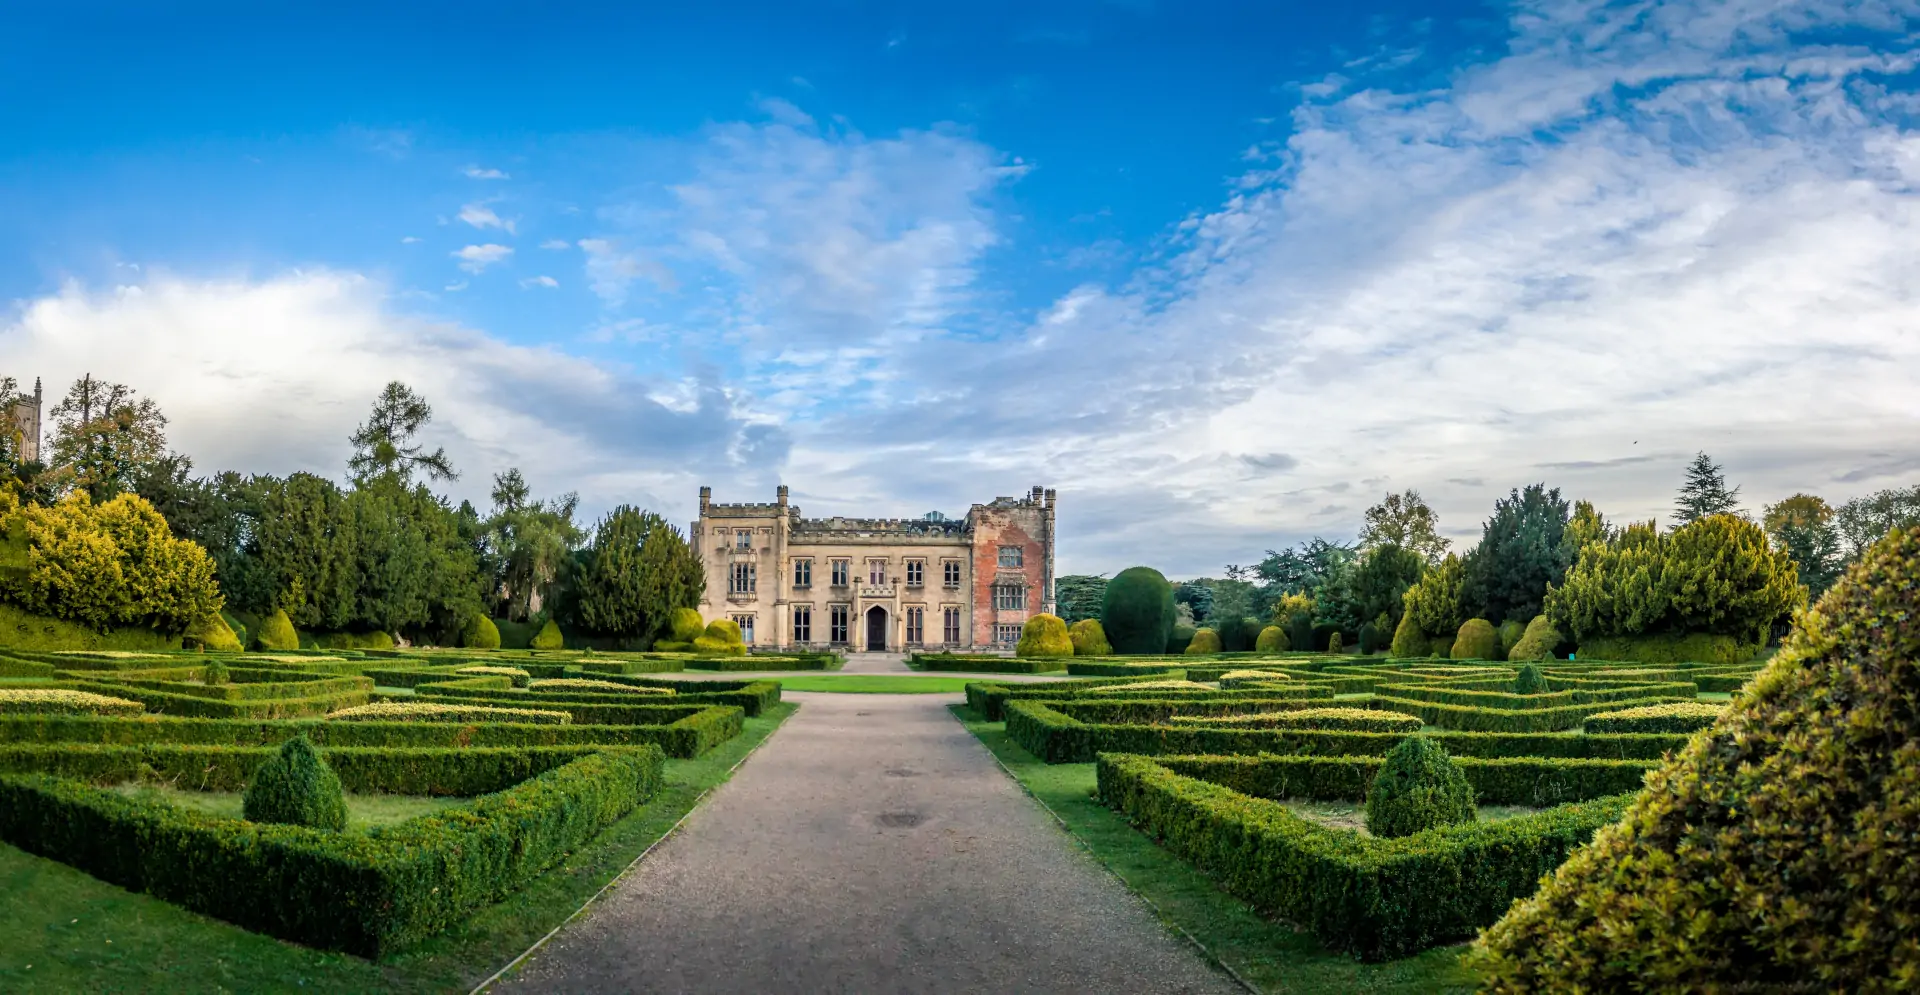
876,628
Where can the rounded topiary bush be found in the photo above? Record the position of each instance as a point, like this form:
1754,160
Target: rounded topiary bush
1272,639
215,672
685,625
1203,641
1044,636
211,633
1408,640
296,787
721,638
1089,638
276,632
1181,637
480,633
1138,612
1334,642
1538,641
1418,787
548,638
1775,851
1530,681
1476,641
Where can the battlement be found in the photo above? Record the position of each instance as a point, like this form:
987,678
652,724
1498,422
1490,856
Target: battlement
840,526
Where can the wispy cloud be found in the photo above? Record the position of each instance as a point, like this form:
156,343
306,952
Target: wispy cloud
478,173
475,258
409,239
556,244
611,270
482,216
540,281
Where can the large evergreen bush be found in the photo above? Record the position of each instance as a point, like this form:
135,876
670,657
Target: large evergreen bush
1181,638
1089,638
1776,851
1475,641
548,638
1273,639
1408,640
1530,681
480,633
213,634
722,638
1044,635
1511,632
1418,787
296,787
1537,643
1138,612
276,632
1204,641
103,565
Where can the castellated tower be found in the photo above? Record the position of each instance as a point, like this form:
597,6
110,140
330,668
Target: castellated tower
892,584
26,423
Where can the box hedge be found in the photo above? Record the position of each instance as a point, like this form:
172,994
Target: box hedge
1679,716
1468,718
169,703
984,664
417,711
1362,719
1532,782
60,701
366,894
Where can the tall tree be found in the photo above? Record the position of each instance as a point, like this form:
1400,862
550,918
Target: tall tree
633,574
1302,568
1802,527
1520,554
1079,596
385,444
527,543
1705,492
1866,520
1381,580
103,435
1404,520
1197,596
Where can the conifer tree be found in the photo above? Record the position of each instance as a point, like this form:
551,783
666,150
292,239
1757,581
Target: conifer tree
1705,492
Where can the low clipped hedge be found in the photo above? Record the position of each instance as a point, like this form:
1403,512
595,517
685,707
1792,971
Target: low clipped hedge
1057,738
1452,693
587,685
1375,899
365,894
249,684
1467,718
1090,668
632,664
983,664
414,711
1360,719
169,703
1679,716
1533,782
59,701
518,675
752,696
821,661
16,667
459,772
987,697
687,731
413,677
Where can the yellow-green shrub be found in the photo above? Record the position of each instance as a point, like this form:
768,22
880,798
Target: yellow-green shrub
1089,638
1511,632
1408,640
1679,716
1204,641
519,677
1272,639
480,633
212,633
1476,641
578,684
103,565
721,638
548,638
686,625
276,632
421,711
1334,642
1538,641
53,701
1044,635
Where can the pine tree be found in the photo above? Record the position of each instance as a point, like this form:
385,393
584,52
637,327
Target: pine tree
1705,492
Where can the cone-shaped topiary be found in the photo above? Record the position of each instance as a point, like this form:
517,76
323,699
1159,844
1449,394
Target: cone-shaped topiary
1476,641
686,625
1273,639
1774,852
548,638
1530,681
215,672
211,633
1335,644
1138,611
721,638
1203,641
276,632
480,633
1418,787
296,787
1182,636
1408,640
1089,639
1538,643
1044,635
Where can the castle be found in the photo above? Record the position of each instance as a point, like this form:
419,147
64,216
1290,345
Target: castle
25,426
877,583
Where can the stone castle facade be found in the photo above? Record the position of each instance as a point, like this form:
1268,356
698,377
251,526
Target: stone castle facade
869,584
24,422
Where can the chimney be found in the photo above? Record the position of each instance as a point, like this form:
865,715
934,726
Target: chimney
780,496
706,498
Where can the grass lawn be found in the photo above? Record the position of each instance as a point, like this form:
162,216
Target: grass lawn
1269,955
874,683
363,811
62,931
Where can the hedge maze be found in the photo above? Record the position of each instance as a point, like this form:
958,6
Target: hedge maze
541,751
1214,767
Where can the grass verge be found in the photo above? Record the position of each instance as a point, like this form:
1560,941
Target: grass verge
62,931
1270,956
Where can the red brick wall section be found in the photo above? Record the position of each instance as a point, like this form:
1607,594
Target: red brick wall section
992,530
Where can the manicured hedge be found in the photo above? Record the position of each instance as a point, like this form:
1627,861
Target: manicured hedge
365,894
1679,716
1469,719
584,713
1533,782
447,772
60,701
1362,719
1373,898
1451,694
753,696
414,677
686,731
987,697
248,685
803,661
983,664
1146,710
518,675
586,685
16,667
1058,738
417,711
1091,668
168,703
632,665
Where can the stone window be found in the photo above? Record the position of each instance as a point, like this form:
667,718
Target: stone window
1012,556
916,573
803,623
1009,597
951,625
803,573
743,578
876,572
916,625
837,623
745,622
841,568
1006,634
950,572
743,539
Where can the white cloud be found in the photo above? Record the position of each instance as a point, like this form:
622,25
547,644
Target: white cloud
409,239
540,281
475,258
556,244
478,173
611,269
195,347
482,216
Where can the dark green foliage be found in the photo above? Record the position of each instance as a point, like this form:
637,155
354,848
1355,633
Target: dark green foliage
1179,638
1198,597
1776,851
367,895
1079,596
1530,681
1418,788
1476,640
1237,635
1866,520
1382,579
1373,898
1369,639
1511,632
963,664
480,633
1519,556
632,576
384,446
1695,647
1535,782
1704,493
1300,632
297,788
1473,718
1718,575
1138,612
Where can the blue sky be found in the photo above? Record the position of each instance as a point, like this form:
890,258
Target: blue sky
1221,273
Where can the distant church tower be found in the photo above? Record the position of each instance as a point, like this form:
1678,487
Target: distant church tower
26,424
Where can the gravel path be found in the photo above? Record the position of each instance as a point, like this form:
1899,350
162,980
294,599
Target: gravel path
871,845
